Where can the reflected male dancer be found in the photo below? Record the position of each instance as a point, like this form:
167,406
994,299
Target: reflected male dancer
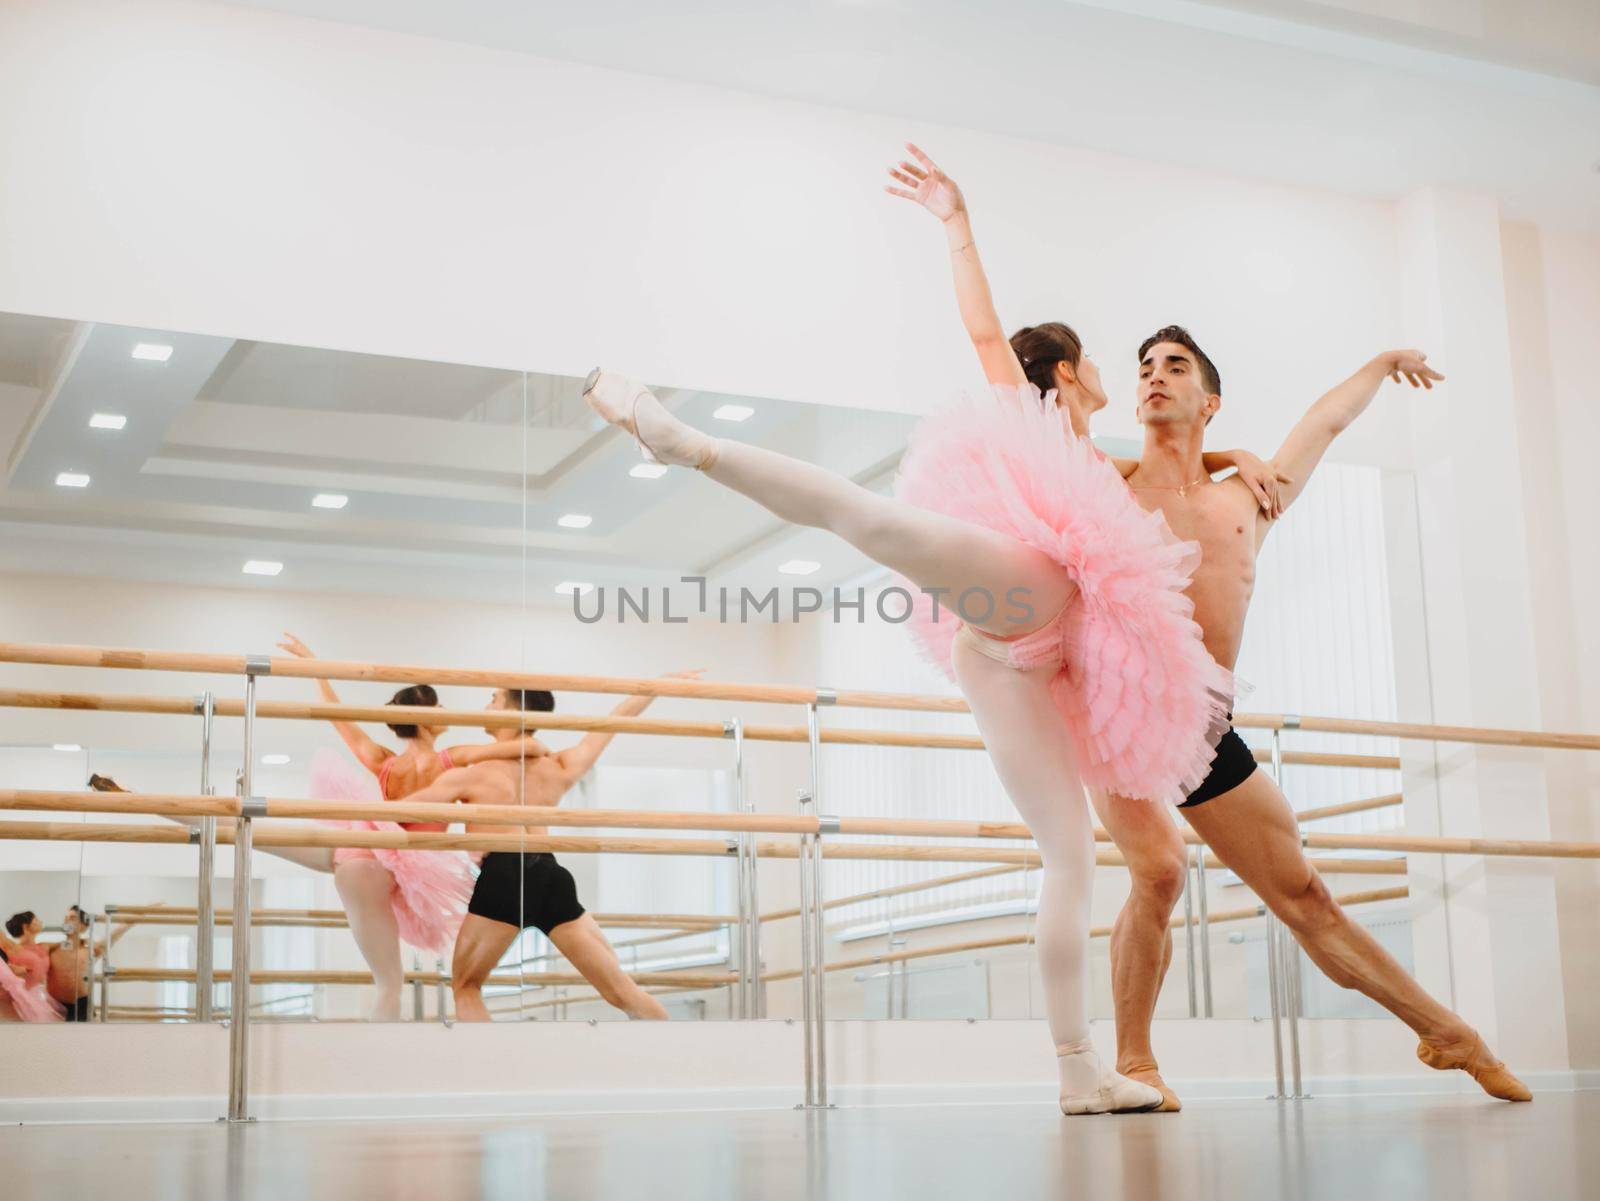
518,890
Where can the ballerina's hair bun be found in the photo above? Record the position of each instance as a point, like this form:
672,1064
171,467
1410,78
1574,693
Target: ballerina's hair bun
1040,347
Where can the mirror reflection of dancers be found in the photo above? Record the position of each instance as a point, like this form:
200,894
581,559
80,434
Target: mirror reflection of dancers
25,971
518,890
394,896
390,896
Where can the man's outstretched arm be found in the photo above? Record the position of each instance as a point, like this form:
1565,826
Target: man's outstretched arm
1333,412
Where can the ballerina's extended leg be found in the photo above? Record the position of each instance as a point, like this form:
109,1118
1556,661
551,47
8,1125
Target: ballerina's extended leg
932,550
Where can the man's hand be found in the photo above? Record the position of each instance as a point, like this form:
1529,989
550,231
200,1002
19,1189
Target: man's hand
1265,480
928,186
295,647
1412,364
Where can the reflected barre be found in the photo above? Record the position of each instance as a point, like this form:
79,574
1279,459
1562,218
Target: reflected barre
147,975
1364,897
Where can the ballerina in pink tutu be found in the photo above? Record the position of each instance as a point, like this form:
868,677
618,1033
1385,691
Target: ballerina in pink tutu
1070,637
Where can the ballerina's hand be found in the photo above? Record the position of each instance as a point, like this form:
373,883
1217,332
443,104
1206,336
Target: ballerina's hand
1413,365
1263,479
295,647
927,185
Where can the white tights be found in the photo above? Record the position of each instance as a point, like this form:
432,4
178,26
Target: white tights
1015,714
364,888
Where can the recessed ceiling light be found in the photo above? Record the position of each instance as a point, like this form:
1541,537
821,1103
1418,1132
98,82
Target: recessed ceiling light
329,500
72,479
262,567
66,746
733,412
648,471
274,760
575,521
153,352
568,587
798,567
107,421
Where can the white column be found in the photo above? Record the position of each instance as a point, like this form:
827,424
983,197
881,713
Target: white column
1478,581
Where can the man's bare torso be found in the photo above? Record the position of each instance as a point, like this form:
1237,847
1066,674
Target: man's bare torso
69,972
538,781
1224,519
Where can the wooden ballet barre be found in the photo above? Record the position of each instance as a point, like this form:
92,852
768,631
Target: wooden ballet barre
180,805
510,720
1017,940
318,836
141,975
186,915
290,667
895,890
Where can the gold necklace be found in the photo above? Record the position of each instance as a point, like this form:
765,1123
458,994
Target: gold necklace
1181,489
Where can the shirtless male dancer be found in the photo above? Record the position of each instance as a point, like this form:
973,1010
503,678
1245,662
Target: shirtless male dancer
1240,812
69,963
515,891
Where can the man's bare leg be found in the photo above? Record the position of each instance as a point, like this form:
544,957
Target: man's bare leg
1253,831
1141,939
480,946
584,946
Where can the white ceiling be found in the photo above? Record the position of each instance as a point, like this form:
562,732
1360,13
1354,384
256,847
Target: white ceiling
1371,97
455,475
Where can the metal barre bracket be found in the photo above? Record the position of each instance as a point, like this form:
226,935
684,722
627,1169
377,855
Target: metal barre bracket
826,696
194,840
1291,721
198,705
258,665
252,806
731,845
729,727
827,825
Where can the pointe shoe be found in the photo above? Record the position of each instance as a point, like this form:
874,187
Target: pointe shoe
1148,1073
1112,1092
619,401
1474,1059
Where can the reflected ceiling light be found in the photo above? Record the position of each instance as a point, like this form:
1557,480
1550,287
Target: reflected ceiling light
329,500
107,421
66,746
798,567
733,412
72,479
648,471
154,352
262,567
568,587
274,760
575,521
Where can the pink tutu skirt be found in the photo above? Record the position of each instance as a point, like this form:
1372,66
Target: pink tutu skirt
1141,697
431,888
29,1004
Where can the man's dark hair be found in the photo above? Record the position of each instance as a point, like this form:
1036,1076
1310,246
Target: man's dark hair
415,694
1209,376
531,700
18,922
83,918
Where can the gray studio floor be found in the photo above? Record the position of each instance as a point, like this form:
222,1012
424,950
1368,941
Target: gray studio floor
1342,1148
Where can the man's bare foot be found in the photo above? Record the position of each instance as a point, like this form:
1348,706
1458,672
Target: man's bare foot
1146,1072
1470,1055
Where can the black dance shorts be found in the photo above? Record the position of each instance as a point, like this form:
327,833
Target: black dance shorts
525,890
1232,767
